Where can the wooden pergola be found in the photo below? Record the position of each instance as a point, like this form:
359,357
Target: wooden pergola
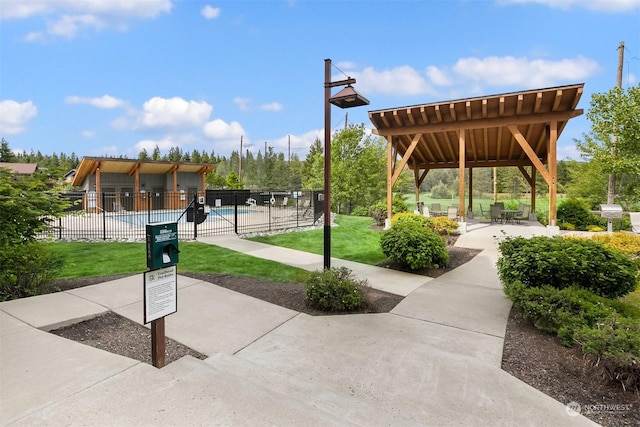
517,129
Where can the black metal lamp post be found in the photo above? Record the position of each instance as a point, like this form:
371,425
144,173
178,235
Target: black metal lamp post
346,98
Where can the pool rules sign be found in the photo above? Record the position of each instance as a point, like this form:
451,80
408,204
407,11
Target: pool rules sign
160,284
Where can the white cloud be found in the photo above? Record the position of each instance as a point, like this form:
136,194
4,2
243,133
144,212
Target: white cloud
242,103
88,134
612,6
14,116
219,129
511,71
173,113
273,106
65,18
210,12
105,101
164,145
438,76
225,136
399,81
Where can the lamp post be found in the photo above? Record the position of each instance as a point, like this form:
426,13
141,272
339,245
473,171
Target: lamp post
346,98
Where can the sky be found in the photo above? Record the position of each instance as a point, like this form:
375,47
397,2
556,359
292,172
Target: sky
114,77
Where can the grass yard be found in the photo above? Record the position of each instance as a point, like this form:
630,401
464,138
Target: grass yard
90,259
353,240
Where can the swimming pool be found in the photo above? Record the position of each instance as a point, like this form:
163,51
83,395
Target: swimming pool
143,218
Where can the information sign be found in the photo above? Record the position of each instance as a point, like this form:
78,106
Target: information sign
160,293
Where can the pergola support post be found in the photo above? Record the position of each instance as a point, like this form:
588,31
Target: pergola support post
390,165
552,161
462,159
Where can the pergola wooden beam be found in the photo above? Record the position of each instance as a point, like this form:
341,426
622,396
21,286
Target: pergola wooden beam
482,123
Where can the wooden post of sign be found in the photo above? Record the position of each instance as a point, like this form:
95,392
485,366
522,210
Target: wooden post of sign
158,345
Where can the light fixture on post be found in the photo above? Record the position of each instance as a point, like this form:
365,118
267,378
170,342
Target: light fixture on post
346,98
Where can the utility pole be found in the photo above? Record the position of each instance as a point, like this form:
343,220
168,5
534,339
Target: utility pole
289,148
611,190
240,162
346,120
612,176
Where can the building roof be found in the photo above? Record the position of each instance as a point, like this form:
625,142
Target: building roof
89,166
20,168
487,120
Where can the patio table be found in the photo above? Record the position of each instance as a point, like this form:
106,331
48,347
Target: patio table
509,215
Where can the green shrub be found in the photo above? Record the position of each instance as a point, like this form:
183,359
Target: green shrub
335,289
594,228
563,311
607,329
415,246
566,226
562,263
444,226
574,211
360,211
26,270
615,348
411,218
379,210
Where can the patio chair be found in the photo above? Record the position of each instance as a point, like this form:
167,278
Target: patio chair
635,222
452,213
483,213
425,211
524,213
496,212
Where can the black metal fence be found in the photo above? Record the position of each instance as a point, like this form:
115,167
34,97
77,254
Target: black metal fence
124,216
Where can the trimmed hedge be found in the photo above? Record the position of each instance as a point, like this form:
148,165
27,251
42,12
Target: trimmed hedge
563,263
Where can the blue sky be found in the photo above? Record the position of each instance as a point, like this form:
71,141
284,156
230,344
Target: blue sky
111,77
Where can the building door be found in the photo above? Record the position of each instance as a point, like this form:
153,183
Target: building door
127,198
157,198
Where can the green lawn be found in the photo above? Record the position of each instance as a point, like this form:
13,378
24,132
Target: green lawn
353,240
89,259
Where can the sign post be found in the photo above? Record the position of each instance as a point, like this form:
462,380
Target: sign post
160,284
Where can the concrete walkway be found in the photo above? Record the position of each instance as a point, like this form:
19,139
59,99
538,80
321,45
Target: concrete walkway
434,360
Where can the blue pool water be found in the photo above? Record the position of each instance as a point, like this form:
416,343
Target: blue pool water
143,218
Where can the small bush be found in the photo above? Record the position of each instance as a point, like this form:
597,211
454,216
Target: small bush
27,270
594,228
607,329
335,289
562,263
615,348
411,218
415,246
444,226
360,211
567,226
379,210
575,212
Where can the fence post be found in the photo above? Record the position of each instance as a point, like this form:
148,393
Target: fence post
59,228
195,221
235,211
104,217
